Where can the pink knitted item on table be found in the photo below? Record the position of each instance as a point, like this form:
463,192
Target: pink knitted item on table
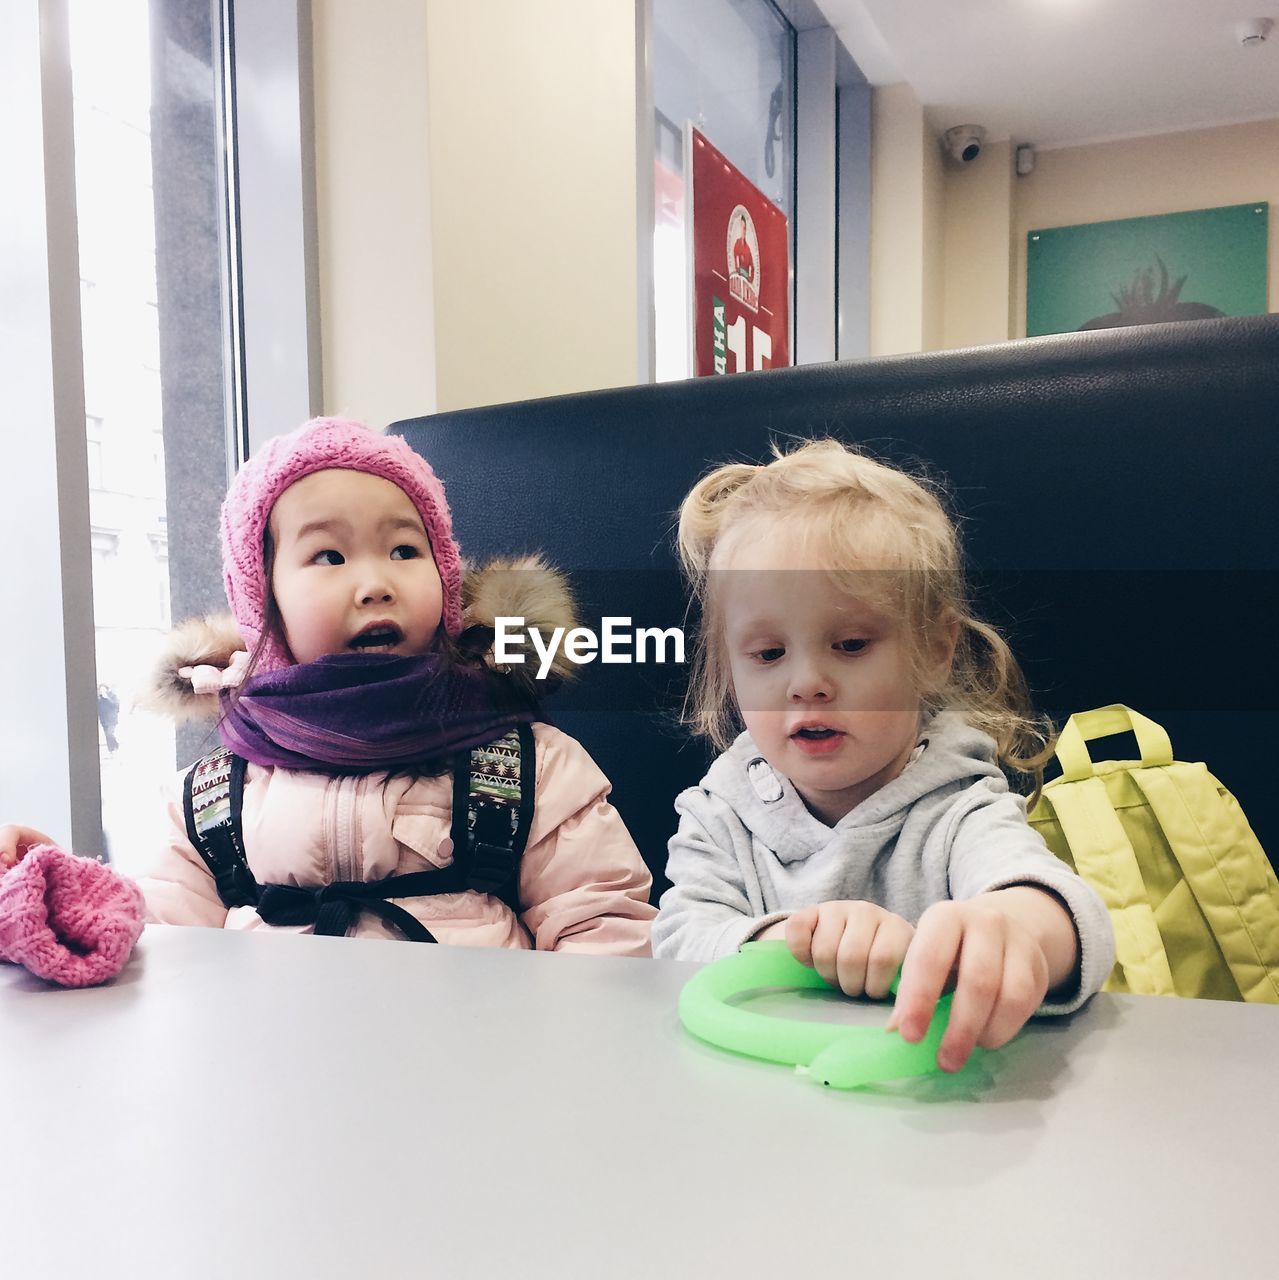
320,445
69,920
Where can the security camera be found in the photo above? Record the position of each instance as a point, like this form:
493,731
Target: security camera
964,142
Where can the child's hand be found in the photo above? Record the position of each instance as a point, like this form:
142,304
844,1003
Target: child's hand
1003,976
856,946
14,843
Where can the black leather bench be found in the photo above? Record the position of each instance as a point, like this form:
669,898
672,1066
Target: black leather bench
1115,490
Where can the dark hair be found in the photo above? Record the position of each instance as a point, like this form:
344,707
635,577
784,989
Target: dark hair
272,621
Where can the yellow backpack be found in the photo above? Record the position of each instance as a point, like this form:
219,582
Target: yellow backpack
1193,899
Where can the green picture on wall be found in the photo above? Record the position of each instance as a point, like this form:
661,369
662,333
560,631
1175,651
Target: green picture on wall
1177,266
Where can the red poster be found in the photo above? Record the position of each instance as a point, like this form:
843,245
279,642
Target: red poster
741,268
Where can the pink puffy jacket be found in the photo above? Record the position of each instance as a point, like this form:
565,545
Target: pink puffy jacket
583,885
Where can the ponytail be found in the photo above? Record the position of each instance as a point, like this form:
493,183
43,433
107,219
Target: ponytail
987,686
701,516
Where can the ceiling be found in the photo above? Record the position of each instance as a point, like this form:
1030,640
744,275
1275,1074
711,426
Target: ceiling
1060,73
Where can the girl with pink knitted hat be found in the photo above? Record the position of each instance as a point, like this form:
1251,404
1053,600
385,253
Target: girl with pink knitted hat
377,776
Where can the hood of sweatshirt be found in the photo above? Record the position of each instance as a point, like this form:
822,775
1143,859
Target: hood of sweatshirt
954,756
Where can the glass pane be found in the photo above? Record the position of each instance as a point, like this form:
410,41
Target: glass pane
728,67
145,108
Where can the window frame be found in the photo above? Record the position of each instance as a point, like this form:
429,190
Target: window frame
49,765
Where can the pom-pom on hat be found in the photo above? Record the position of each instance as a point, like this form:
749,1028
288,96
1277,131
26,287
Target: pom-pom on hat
320,445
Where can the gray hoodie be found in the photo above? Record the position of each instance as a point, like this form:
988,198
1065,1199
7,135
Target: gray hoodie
748,851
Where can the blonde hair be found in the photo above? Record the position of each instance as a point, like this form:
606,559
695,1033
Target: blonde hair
862,515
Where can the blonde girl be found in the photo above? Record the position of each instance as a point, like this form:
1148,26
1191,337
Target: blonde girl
859,809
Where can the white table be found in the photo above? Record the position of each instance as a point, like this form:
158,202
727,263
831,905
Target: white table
274,1105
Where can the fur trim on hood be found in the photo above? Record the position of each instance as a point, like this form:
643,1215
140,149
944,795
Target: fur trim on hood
208,641
518,587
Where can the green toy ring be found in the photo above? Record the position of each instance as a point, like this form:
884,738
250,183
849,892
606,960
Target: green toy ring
839,1056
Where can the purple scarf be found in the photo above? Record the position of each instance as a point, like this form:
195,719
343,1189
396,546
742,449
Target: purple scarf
366,712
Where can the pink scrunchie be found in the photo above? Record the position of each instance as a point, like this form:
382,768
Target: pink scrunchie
68,920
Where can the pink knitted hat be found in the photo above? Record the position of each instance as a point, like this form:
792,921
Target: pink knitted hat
320,445
68,920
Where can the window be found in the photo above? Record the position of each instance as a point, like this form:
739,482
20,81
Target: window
152,250
93,440
726,66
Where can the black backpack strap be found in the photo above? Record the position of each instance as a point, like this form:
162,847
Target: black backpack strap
493,790
212,801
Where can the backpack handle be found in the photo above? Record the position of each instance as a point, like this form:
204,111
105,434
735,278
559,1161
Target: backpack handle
1081,728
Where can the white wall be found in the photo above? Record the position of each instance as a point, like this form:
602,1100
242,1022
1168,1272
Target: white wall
534,164
988,211
373,215
948,244
477,206
476,172
934,232
977,295
896,221
1171,173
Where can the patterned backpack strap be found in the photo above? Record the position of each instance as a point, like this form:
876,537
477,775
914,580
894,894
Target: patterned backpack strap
493,788
212,800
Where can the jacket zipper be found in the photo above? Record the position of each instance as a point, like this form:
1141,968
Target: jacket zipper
347,859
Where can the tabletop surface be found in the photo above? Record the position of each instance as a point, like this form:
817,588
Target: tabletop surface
276,1105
